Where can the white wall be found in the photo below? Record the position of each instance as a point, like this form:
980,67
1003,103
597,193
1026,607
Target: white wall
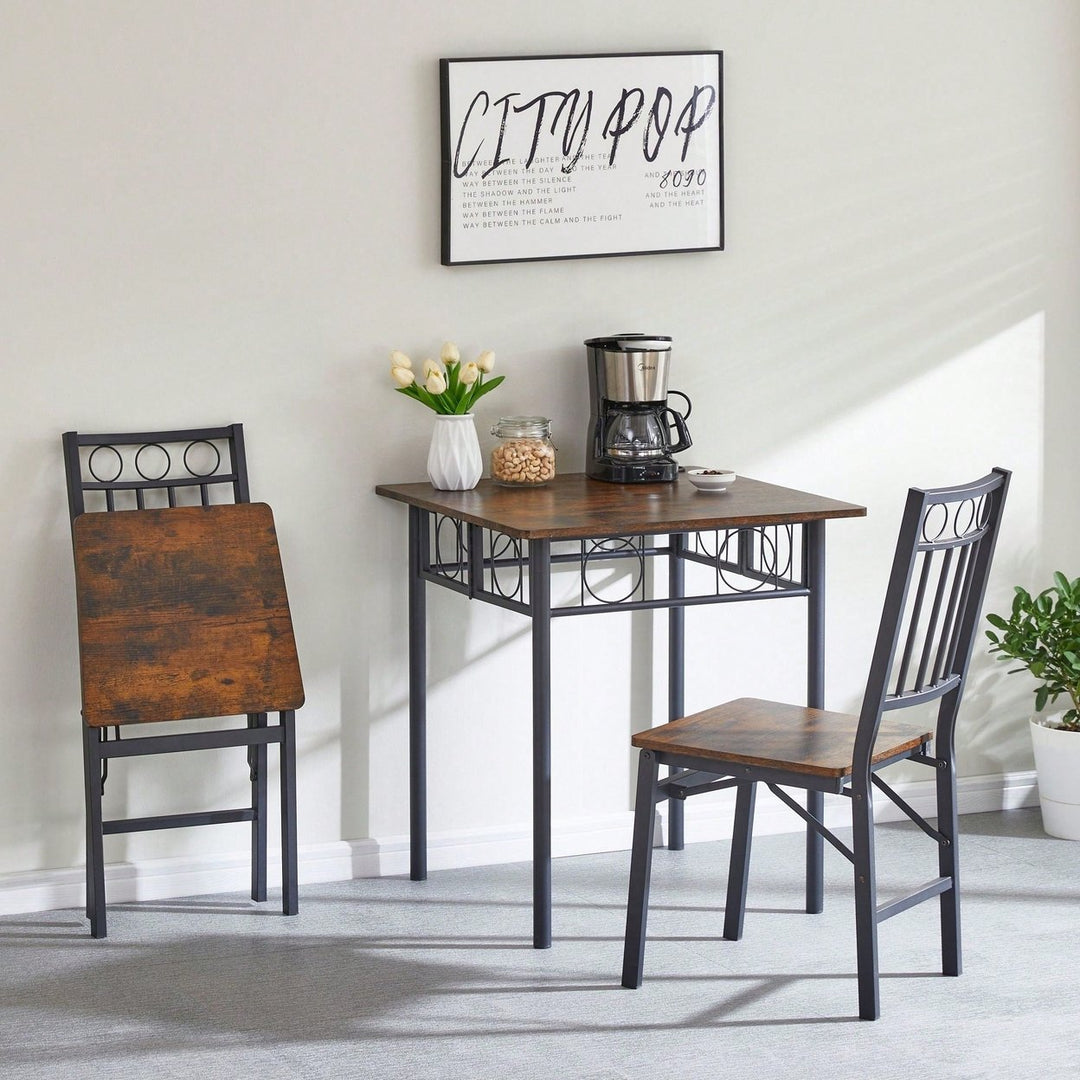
218,211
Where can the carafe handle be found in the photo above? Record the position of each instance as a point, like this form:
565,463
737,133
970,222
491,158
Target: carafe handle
678,422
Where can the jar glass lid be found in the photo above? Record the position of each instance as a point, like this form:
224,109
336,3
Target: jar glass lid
519,427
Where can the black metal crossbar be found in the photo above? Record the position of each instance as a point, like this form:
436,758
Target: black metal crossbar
692,783
194,740
934,887
813,822
176,821
923,824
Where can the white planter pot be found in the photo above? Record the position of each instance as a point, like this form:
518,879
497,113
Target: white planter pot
1057,763
454,460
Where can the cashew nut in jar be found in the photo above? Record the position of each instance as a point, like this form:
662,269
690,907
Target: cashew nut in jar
524,455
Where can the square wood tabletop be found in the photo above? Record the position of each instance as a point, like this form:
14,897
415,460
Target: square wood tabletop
574,506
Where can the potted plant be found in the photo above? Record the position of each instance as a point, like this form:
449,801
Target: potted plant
1043,633
450,389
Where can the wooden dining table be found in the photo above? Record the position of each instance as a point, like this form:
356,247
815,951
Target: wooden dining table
502,546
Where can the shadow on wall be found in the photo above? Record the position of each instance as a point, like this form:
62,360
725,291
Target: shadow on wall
849,290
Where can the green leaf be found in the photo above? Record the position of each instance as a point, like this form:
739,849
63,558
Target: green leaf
431,401
487,387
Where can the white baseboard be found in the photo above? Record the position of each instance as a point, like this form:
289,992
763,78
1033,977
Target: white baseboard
707,818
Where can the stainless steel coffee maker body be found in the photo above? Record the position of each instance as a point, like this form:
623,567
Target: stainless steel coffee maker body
633,431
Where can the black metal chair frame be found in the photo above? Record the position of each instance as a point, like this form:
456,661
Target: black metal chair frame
922,652
174,485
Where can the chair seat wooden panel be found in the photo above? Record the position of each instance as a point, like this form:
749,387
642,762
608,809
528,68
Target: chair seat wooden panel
751,731
183,613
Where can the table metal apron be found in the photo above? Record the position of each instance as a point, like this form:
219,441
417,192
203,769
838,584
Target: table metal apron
520,527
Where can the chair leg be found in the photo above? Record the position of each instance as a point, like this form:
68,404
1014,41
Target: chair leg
866,942
95,854
637,903
739,869
257,761
949,866
290,902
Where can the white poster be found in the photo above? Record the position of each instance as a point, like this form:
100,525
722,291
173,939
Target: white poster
566,157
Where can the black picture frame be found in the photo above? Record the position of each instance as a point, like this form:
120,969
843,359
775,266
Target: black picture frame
581,156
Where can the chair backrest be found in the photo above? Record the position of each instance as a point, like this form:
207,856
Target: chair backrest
155,469
932,606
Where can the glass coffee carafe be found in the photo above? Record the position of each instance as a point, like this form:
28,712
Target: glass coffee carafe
645,432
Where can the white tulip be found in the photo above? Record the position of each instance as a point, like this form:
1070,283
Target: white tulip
450,354
399,359
431,368
435,384
486,361
402,376
470,372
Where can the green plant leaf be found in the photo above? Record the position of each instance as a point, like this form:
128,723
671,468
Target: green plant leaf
487,387
431,401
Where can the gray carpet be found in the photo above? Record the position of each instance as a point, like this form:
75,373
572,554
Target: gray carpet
391,978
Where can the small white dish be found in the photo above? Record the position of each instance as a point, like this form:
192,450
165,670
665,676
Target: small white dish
711,480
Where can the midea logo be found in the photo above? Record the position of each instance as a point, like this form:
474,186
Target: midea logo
646,366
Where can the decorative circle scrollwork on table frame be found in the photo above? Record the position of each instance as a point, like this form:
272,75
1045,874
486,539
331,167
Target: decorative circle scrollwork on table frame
505,567
596,553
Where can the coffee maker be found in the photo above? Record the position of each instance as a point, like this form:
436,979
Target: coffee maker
632,430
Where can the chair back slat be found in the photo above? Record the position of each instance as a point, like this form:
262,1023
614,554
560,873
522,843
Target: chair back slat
930,639
956,643
155,469
933,603
913,628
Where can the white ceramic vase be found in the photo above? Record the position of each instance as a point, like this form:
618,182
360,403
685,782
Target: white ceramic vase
1057,764
454,460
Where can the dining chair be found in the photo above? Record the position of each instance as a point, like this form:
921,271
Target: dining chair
923,647
183,614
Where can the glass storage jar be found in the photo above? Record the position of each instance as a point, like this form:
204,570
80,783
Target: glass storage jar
524,455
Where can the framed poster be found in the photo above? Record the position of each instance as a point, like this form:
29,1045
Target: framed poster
569,157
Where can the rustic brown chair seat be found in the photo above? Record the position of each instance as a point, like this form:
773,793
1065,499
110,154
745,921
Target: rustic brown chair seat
182,614
921,655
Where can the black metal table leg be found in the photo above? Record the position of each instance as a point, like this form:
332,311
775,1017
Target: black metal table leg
418,525
814,555
540,603
676,672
